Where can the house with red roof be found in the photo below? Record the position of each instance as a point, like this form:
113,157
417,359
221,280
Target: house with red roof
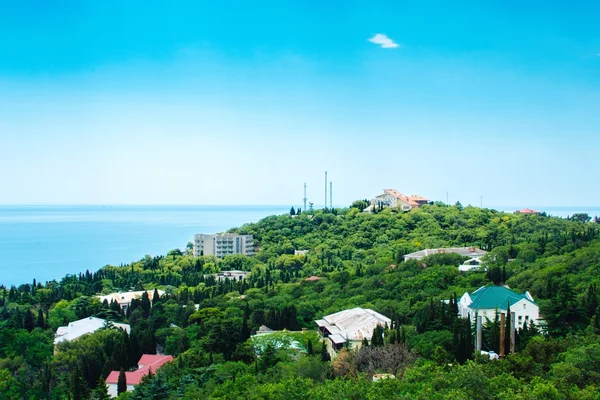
527,211
313,278
148,363
395,199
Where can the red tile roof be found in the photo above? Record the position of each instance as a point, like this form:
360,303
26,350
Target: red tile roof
313,278
527,211
149,362
413,200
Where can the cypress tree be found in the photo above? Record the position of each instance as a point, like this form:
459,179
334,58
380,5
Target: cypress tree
28,322
245,333
155,296
455,343
101,391
402,336
76,384
377,338
145,303
324,353
40,320
121,382
507,328
591,300
393,339
469,344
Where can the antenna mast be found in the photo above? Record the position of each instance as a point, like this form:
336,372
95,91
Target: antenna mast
331,195
304,197
325,190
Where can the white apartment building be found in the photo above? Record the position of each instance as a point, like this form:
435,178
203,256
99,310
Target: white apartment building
223,245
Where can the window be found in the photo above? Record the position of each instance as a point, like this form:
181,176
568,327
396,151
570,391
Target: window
524,306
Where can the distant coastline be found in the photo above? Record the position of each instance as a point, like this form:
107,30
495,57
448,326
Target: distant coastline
47,242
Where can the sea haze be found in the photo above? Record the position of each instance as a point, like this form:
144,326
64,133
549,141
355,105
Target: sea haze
48,242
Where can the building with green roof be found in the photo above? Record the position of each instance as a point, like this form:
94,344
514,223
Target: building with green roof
489,300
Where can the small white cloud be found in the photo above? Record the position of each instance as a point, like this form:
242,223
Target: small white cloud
384,41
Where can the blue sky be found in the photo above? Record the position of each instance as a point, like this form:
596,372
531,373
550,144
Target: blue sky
241,103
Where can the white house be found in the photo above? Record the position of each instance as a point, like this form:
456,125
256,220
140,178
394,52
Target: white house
472,252
124,299
231,275
351,326
148,362
82,327
487,300
471,264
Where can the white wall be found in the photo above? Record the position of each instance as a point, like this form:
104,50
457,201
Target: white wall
112,389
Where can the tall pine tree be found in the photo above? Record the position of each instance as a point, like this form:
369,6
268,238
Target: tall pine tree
121,382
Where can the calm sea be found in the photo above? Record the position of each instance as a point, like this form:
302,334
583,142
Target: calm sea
48,242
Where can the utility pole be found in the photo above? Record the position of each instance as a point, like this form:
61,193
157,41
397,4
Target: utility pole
304,197
447,198
325,207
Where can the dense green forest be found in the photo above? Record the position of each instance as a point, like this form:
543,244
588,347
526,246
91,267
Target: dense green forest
359,258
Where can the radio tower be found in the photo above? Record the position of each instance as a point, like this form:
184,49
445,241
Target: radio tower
331,195
304,210
325,190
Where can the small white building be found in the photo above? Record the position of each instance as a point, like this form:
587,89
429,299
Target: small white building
82,327
124,299
472,264
472,252
487,300
222,245
231,275
351,326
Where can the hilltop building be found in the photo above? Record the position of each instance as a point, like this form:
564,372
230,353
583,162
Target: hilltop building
472,252
223,245
487,300
231,275
527,211
395,199
351,326
124,299
83,327
148,362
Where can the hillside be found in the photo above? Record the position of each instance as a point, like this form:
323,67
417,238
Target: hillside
359,260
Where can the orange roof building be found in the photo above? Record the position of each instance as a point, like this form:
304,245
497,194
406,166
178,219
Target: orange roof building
313,278
527,211
395,199
148,363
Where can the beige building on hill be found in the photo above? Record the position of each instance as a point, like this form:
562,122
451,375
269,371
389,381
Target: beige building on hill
350,327
222,245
